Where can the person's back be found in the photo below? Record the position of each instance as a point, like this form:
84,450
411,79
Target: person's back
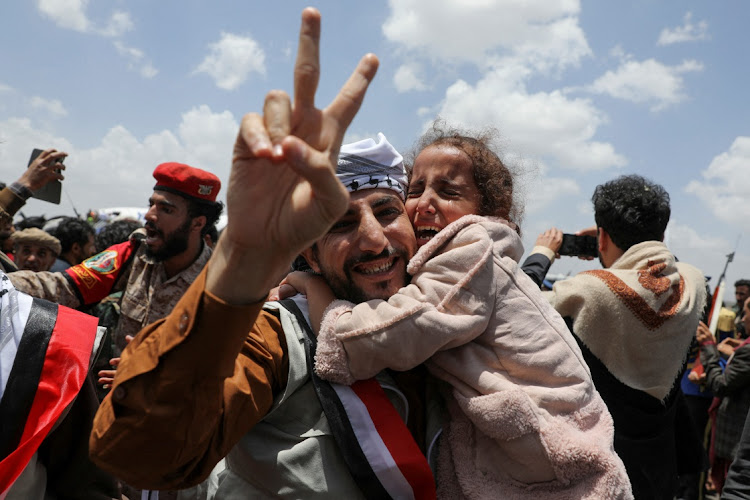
634,321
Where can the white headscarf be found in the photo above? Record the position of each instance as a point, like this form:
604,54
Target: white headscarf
368,164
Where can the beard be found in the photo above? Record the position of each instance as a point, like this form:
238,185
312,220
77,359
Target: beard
344,287
173,243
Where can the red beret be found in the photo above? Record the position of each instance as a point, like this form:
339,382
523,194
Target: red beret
187,181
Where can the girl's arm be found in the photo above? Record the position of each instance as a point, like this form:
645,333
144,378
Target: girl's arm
319,294
447,304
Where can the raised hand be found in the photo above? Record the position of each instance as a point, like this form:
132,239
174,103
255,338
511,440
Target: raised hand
45,168
552,239
283,193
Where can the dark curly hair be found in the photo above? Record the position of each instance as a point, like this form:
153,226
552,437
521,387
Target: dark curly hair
210,210
742,282
114,233
71,230
493,178
631,209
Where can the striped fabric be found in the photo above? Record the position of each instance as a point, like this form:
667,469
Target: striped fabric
45,350
378,448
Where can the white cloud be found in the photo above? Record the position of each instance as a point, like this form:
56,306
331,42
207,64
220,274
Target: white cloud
544,32
68,14
646,81
232,59
548,191
5,88
148,71
539,125
202,138
71,14
136,60
688,32
726,184
407,78
119,23
684,236
53,106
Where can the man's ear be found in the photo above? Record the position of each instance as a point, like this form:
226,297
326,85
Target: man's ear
311,256
198,223
602,239
75,248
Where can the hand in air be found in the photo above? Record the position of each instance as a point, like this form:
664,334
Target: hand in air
283,193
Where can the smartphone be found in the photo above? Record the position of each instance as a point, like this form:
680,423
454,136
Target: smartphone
51,191
584,246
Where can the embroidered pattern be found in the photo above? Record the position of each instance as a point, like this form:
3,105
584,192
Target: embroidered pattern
650,280
643,311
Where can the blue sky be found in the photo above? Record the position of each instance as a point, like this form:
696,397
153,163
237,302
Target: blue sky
580,92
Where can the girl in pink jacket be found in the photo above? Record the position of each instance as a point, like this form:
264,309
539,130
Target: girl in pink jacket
525,418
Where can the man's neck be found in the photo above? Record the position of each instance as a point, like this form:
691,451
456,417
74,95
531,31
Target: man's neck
69,259
178,263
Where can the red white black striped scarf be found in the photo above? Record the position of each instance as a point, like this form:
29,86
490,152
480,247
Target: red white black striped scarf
378,448
45,351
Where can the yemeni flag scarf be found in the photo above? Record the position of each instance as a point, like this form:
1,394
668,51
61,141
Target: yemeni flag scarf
45,354
376,445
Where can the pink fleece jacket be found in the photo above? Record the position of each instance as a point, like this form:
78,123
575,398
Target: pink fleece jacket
525,418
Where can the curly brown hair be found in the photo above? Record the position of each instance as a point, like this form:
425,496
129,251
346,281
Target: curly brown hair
494,180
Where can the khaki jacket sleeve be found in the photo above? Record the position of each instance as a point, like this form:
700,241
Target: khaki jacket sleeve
10,202
54,287
187,388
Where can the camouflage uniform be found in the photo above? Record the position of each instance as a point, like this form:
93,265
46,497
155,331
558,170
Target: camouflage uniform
148,294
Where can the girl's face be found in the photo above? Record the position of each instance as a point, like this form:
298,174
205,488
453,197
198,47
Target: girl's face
441,190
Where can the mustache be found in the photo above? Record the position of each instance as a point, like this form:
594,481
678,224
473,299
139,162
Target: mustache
152,227
365,258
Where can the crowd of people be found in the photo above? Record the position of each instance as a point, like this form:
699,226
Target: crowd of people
363,327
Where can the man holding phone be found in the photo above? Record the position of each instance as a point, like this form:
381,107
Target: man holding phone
634,321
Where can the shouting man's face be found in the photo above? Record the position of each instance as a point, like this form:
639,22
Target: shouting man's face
168,225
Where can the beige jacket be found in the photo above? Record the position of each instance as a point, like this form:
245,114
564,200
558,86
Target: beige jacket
526,420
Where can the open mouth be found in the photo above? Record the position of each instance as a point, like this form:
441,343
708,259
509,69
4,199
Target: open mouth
425,233
152,235
376,267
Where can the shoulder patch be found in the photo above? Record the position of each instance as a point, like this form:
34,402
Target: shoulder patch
102,263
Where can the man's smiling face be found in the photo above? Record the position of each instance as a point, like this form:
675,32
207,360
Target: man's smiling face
364,255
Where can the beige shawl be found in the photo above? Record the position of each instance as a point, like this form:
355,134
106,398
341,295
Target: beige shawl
638,317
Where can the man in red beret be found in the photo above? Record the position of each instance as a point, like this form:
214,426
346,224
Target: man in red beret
152,272
144,276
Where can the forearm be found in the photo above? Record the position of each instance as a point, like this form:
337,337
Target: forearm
236,276
179,389
54,287
10,203
319,297
734,377
537,264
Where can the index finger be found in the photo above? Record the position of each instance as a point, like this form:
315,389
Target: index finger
307,65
